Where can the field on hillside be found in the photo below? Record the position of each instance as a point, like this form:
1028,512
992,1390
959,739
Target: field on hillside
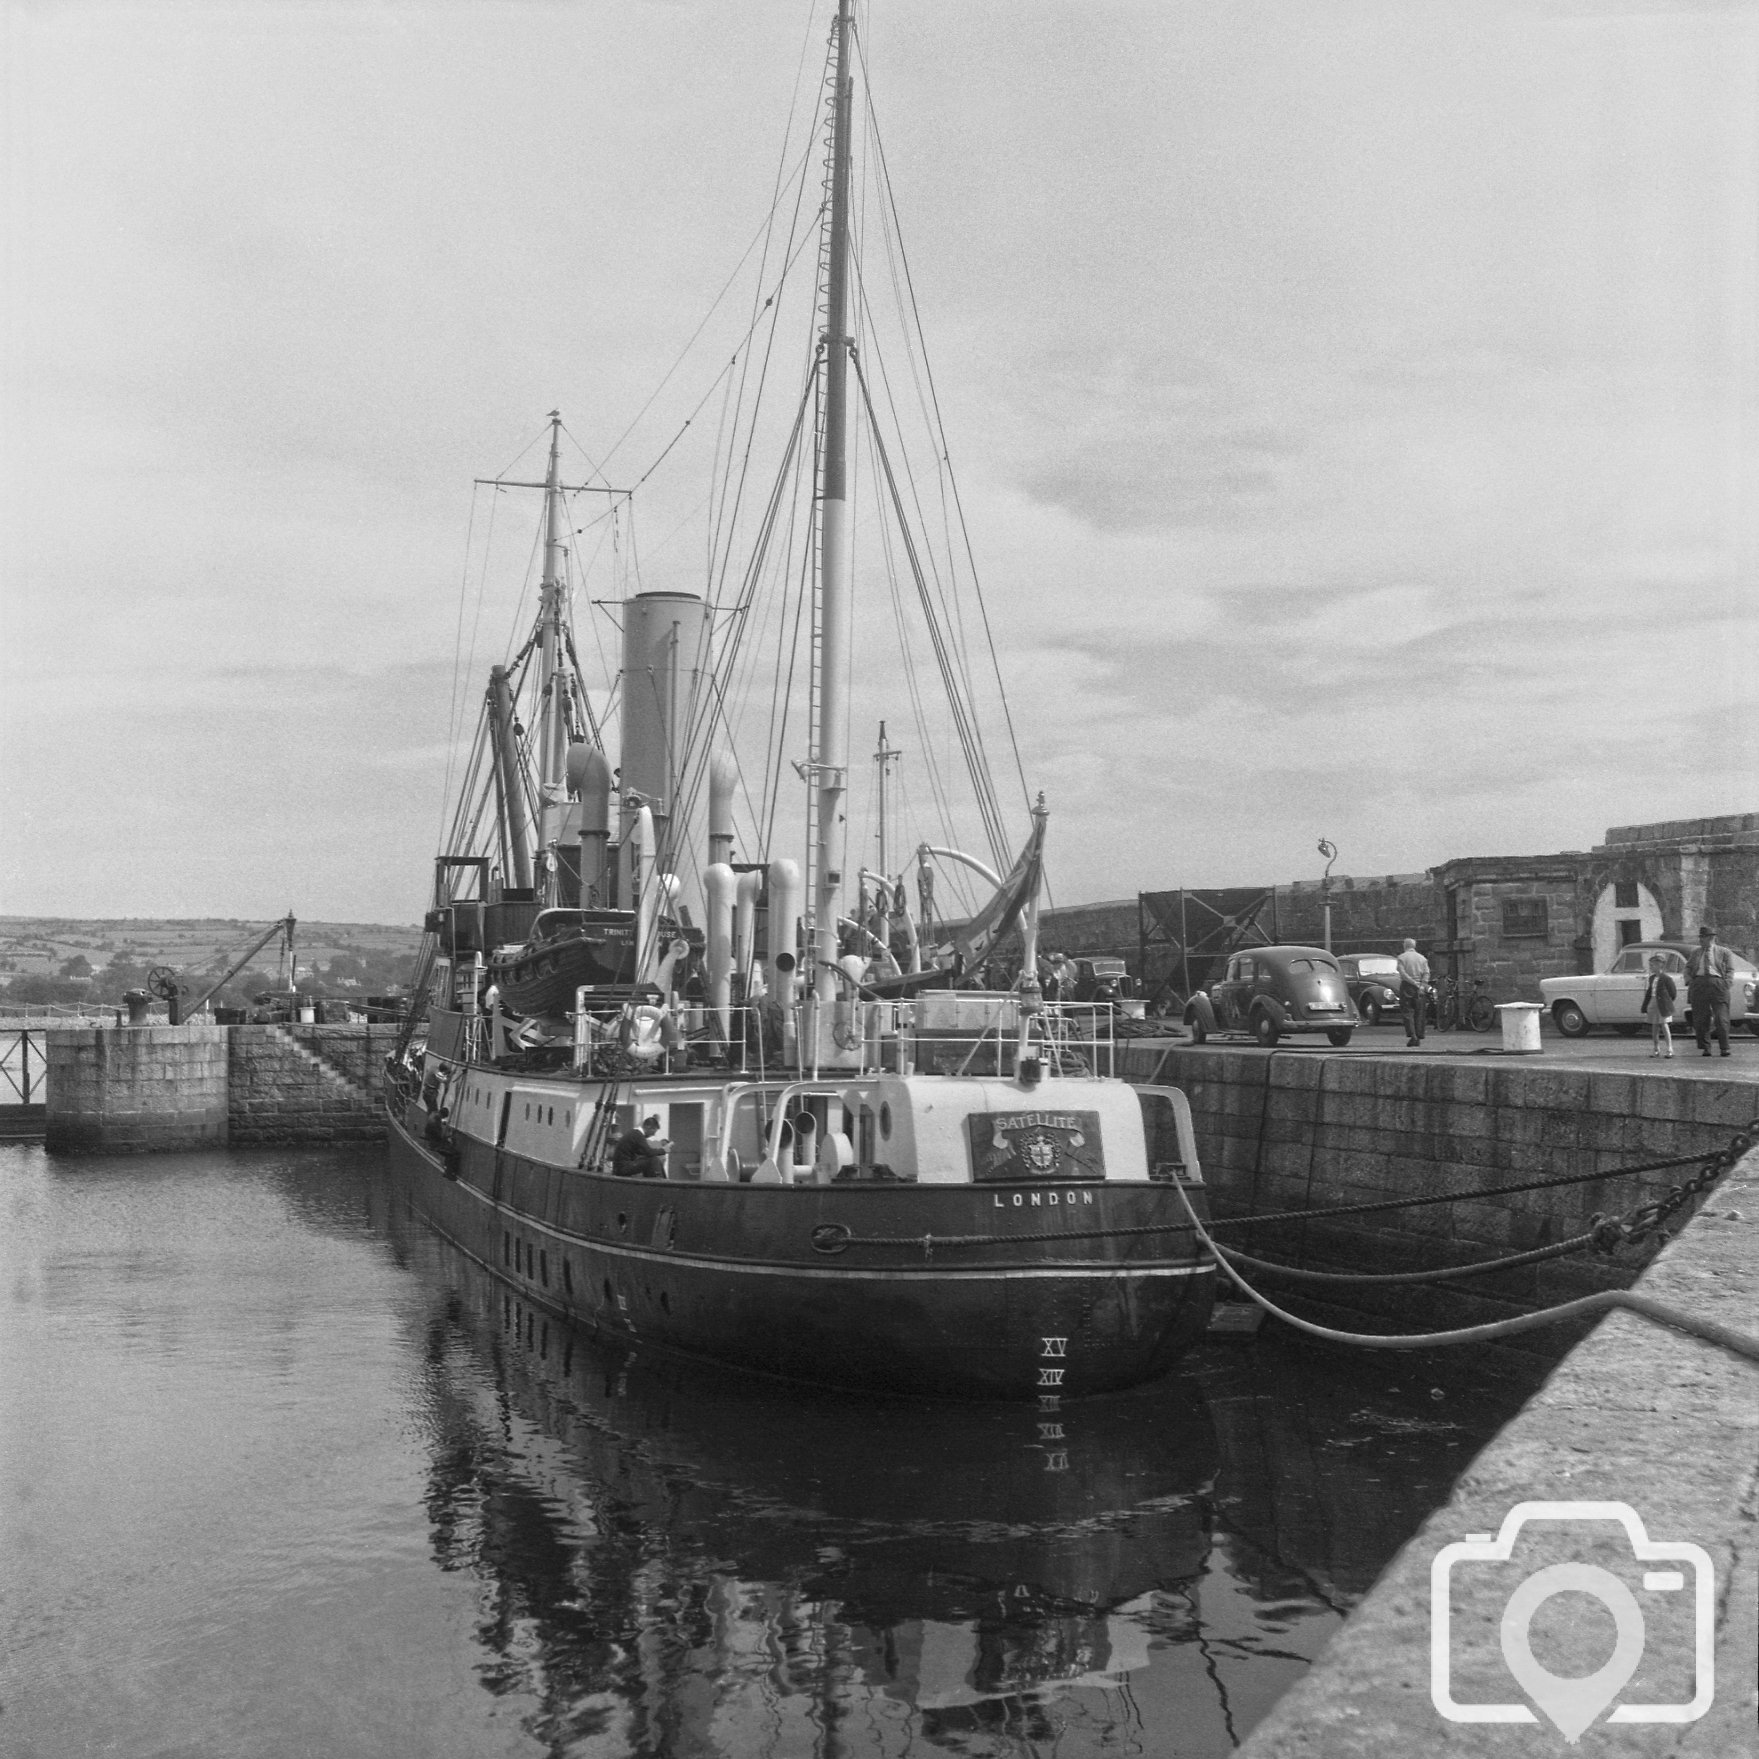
44,946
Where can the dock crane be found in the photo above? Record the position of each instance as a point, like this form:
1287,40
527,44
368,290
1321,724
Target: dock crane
171,987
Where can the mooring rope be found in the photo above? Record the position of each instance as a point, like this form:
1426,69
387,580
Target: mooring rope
1741,1343
1604,1232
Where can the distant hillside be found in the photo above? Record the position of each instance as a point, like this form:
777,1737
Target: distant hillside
70,959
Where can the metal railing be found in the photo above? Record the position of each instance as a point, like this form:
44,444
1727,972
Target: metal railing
23,1065
766,1040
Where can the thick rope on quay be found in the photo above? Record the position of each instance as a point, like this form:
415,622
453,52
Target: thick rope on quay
1604,1232
1741,1343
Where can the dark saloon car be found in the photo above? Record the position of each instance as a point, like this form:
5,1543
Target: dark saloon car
1373,983
1273,991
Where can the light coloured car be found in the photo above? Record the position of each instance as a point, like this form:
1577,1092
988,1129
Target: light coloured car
1614,999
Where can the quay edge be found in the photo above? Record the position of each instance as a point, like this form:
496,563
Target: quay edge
1637,1414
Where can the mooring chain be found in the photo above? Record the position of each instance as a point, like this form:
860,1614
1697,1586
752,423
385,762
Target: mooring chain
1605,1233
1648,1218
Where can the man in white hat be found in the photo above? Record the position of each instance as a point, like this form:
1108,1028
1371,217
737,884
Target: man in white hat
1710,976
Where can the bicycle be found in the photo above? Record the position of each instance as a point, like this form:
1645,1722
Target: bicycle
1454,1008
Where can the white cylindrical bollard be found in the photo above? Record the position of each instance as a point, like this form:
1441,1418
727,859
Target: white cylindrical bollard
1520,1027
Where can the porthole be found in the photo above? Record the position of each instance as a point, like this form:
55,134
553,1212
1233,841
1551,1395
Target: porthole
886,1119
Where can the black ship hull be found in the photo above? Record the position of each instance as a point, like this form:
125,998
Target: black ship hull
956,1290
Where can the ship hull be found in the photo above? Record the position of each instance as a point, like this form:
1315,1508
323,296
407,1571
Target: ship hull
962,1291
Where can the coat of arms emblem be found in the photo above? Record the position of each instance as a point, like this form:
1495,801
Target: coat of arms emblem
1041,1152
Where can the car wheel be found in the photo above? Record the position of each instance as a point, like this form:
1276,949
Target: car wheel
1198,1034
1570,1020
1339,1034
1264,1029
1370,1011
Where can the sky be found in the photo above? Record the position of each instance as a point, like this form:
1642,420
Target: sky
1355,409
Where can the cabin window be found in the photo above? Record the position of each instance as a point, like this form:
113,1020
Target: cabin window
568,1117
885,1117
543,1268
528,1109
567,1276
506,1247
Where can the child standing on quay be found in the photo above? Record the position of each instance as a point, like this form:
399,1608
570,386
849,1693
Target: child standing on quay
1658,1001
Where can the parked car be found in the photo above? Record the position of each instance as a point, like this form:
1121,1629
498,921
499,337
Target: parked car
1615,998
1273,991
1102,980
1373,983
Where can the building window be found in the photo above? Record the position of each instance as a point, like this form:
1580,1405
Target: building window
1624,895
1630,932
1522,917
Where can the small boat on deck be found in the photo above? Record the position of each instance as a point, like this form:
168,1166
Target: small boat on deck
811,1134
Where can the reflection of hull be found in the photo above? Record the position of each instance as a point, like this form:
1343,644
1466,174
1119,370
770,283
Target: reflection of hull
1047,1300
907,1517
542,976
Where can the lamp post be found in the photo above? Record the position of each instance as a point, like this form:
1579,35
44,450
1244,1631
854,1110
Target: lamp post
1330,852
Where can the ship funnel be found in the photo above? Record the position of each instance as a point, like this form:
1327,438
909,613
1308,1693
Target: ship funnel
665,658
723,779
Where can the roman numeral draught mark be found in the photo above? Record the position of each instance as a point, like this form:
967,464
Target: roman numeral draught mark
1050,1377
1056,1346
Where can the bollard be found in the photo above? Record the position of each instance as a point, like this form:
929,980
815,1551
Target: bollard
1520,1027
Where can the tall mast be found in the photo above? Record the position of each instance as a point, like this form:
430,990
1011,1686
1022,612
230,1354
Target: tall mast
882,762
831,734
553,743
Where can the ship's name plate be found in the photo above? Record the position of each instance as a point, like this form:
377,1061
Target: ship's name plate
1041,1199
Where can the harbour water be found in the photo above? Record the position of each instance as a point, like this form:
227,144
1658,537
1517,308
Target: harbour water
285,1474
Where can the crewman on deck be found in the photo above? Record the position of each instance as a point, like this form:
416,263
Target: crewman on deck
641,1154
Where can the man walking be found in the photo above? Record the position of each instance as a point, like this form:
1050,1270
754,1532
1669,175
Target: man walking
1413,992
1710,976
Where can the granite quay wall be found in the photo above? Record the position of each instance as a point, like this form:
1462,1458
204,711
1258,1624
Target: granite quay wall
1301,1130
135,1090
355,1052
280,1090
139,1089
1637,1414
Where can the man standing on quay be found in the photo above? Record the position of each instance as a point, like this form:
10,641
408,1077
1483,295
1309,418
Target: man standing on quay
1413,992
1710,976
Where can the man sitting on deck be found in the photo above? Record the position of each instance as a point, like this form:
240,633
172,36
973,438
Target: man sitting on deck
641,1154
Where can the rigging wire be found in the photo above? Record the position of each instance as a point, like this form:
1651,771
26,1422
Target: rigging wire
940,429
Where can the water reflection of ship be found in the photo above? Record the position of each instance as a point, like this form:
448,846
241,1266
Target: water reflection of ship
677,1555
